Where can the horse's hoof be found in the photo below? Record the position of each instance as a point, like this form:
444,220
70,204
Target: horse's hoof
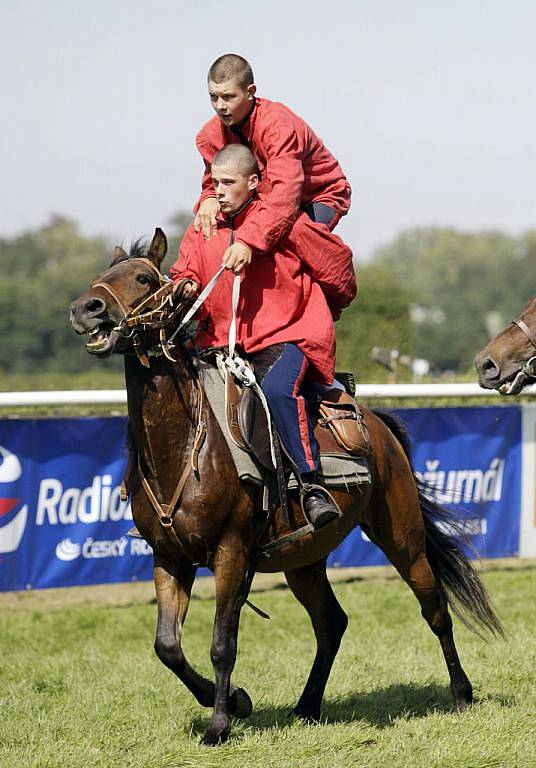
462,703
216,733
463,696
211,739
240,705
308,717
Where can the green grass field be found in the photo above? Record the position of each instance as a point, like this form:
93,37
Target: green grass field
80,684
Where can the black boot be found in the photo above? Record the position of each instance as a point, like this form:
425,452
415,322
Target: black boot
318,507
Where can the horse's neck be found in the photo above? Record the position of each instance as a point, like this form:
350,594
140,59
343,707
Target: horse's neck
161,409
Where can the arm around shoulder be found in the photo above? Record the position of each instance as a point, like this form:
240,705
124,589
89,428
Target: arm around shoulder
281,206
207,149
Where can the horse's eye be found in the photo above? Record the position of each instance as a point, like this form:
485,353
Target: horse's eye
143,279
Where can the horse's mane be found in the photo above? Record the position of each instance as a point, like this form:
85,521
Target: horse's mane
138,249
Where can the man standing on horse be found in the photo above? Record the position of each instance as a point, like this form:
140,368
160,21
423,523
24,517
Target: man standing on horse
283,316
296,171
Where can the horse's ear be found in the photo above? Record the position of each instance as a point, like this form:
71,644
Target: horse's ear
158,248
119,255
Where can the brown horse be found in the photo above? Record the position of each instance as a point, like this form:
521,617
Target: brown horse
508,362
210,517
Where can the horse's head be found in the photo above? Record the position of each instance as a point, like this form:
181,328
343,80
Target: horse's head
130,296
508,362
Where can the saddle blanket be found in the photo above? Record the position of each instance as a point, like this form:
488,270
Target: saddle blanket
335,469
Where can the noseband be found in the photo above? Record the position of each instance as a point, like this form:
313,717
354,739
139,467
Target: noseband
529,369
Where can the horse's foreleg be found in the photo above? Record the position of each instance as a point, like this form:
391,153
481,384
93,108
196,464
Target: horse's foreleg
230,565
311,587
173,598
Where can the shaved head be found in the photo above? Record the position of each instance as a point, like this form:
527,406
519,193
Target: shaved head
231,66
239,155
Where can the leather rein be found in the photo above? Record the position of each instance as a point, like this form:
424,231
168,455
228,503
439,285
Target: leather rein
156,312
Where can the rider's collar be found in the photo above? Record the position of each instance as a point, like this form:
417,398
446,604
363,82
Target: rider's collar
242,208
236,218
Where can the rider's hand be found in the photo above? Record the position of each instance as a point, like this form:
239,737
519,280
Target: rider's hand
237,256
206,217
190,289
185,289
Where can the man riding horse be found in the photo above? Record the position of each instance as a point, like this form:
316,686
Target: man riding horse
281,194
284,323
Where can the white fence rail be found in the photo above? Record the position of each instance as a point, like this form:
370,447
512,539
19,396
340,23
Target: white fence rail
119,396
65,397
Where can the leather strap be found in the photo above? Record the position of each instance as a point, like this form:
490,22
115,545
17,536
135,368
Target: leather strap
165,283
166,512
268,549
200,430
281,481
526,330
115,296
234,306
198,302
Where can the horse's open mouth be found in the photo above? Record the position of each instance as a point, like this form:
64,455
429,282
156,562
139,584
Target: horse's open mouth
514,384
101,339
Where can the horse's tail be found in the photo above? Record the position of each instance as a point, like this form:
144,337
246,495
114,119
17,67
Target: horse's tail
455,575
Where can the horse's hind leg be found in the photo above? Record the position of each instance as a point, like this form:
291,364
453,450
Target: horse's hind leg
311,587
435,611
407,552
173,598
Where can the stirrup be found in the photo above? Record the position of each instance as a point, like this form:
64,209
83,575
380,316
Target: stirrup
306,490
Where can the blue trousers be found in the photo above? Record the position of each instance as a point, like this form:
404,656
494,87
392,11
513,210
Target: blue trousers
282,387
322,214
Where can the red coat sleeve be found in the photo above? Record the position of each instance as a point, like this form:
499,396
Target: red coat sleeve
280,207
207,150
187,263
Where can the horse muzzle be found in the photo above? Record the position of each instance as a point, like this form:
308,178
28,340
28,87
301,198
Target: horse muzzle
489,371
506,382
89,315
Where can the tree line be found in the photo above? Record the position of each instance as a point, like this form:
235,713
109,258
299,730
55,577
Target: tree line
432,293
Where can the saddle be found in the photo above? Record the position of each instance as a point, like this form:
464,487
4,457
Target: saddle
338,422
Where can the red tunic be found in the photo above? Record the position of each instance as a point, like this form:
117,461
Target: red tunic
279,300
296,169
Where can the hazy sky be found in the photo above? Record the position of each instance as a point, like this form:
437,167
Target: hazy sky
429,106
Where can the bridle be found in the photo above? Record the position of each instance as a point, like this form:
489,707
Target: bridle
529,369
155,312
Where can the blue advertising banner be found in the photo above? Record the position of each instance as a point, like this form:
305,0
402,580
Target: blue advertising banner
470,459
62,522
